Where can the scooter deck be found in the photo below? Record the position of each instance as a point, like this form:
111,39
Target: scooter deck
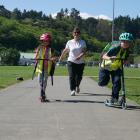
123,105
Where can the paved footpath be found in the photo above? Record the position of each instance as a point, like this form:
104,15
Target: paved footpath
80,117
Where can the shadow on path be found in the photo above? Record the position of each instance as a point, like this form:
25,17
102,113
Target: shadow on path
133,107
74,101
92,94
129,107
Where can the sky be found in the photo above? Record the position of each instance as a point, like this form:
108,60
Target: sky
87,8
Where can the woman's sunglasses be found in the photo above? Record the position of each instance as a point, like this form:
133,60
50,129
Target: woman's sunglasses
78,32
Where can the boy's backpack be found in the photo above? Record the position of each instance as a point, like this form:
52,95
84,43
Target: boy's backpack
108,47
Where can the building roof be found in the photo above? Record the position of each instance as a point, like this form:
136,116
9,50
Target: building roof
27,55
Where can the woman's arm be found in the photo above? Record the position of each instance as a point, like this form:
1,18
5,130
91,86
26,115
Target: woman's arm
81,54
64,52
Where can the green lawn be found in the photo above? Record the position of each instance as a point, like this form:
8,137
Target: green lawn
8,75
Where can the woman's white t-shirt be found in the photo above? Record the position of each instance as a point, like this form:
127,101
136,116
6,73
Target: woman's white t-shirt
75,48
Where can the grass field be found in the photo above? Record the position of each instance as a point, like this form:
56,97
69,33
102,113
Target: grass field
8,75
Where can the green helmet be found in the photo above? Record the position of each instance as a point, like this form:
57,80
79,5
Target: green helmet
126,36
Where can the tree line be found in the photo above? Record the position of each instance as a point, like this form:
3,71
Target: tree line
21,30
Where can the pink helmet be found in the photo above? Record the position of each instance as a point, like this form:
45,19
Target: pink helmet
45,37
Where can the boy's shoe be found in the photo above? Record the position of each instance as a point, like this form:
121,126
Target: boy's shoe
77,89
111,102
73,93
121,101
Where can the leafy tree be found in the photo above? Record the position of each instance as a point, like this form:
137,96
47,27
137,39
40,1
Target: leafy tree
90,24
74,15
135,30
66,12
16,14
103,30
9,56
137,46
23,33
4,12
60,15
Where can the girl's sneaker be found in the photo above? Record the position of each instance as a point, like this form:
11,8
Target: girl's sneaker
43,99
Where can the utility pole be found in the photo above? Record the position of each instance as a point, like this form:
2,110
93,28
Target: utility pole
113,21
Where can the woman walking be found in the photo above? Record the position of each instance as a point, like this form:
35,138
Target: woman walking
75,48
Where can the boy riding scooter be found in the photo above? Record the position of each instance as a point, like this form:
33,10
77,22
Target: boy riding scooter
112,66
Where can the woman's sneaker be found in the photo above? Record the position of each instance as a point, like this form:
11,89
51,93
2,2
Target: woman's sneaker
73,93
77,89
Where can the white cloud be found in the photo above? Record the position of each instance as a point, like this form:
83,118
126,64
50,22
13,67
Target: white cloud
101,16
86,15
54,15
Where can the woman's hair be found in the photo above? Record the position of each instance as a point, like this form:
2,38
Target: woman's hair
76,29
